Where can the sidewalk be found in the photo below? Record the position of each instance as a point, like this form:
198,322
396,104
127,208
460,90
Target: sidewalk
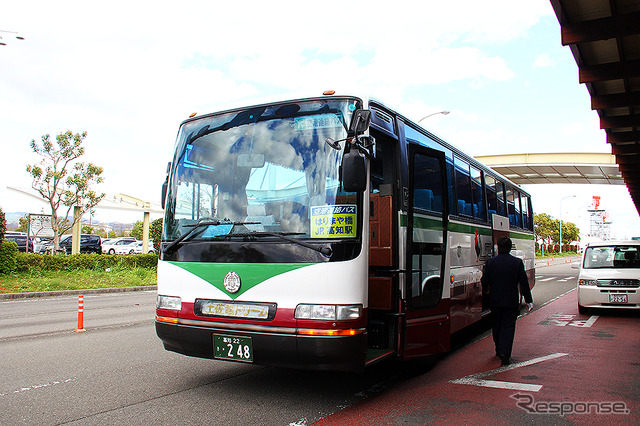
549,261
567,368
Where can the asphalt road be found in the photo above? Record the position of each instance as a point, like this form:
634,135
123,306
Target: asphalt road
118,373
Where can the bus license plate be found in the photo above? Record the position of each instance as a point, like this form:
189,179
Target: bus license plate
234,348
618,298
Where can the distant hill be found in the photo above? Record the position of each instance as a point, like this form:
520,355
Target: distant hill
12,218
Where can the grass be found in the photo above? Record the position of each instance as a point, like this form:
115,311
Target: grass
34,281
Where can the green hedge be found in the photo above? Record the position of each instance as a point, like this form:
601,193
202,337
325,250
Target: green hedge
34,262
8,256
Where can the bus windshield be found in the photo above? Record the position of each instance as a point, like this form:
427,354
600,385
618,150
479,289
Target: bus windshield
265,169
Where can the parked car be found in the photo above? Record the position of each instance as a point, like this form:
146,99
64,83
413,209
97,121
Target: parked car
38,243
114,243
609,276
24,243
88,244
47,246
134,248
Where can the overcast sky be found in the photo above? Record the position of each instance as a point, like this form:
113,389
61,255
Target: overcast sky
129,72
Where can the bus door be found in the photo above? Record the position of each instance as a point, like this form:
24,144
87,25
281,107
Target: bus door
499,229
427,320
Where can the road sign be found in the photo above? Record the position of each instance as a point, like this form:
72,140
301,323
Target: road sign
40,226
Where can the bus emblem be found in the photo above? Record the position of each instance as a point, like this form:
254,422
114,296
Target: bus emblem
232,282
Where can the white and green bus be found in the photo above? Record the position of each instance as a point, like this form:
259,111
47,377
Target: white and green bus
326,233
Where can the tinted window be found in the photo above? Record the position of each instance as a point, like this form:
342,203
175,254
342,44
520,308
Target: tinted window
502,207
464,200
492,197
516,201
511,206
382,167
526,213
427,184
477,193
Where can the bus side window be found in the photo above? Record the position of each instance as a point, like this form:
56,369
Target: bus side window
492,197
526,216
516,202
382,166
427,189
451,188
511,207
476,190
502,210
463,188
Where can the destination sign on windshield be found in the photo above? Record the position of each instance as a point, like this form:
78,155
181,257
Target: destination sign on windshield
324,121
335,221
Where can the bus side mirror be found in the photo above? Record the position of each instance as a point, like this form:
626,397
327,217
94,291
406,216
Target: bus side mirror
164,186
360,121
164,192
354,171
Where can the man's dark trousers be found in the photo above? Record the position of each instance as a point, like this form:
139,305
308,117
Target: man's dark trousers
504,329
505,278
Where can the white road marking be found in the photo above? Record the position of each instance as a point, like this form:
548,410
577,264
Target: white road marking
583,323
562,320
476,379
34,387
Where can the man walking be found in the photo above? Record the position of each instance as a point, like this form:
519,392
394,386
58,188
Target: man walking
502,276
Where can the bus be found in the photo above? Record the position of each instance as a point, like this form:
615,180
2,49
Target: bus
326,233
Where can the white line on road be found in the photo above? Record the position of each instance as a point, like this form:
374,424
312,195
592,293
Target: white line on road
476,379
34,387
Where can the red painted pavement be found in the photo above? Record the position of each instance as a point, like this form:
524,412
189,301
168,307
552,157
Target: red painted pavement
601,368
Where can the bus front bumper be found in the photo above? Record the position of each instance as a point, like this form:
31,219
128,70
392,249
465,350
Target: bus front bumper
290,350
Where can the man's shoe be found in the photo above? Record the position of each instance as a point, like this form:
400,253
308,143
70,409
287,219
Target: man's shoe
505,360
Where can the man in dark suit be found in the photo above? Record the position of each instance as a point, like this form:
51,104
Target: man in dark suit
502,276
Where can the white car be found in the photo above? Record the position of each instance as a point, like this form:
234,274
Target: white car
609,276
134,248
112,245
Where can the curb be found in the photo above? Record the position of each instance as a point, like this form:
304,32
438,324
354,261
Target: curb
39,294
556,261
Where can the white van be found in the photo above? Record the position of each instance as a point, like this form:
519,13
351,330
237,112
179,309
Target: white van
110,247
609,276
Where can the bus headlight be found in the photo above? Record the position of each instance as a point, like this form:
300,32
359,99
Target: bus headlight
328,312
169,302
588,282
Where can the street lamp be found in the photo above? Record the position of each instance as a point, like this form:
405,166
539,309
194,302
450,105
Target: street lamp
434,113
562,199
18,37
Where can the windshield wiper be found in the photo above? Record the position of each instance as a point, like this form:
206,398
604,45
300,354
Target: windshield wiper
201,225
325,251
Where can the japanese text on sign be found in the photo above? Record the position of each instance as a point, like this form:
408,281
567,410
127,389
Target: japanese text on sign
333,221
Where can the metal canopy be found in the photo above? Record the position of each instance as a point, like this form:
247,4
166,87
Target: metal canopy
569,168
604,37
